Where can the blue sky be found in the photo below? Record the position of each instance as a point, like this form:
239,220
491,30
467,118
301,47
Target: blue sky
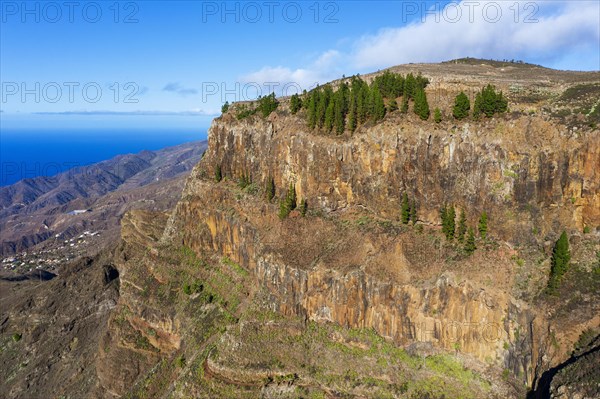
161,64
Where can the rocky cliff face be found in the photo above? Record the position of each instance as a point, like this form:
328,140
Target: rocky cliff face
526,172
351,263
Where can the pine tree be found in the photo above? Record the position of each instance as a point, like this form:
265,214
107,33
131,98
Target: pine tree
462,226
329,115
291,197
321,108
470,246
312,108
448,214
289,203
295,104
405,209
489,102
421,107
561,256
477,107
339,113
352,122
225,107
270,190
451,223
483,225
284,210
410,86
303,207
218,174
393,105
413,212
462,106
404,108
378,105
267,104
437,115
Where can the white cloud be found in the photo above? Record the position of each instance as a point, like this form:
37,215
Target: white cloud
486,34
287,81
561,33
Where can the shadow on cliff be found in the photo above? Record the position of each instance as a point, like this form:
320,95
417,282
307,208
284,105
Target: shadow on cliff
543,386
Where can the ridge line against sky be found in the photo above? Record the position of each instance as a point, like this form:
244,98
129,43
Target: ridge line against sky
153,62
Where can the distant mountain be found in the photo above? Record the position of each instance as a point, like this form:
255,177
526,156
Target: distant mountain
33,210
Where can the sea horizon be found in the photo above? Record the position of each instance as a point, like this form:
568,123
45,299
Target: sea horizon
34,152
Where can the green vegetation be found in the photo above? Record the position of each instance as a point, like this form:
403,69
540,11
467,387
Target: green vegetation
353,360
437,115
413,212
483,225
16,337
356,102
408,210
489,102
267,104
193,288
289,203
404,108
270,189
462,106
421,106
295,104
561,256
303,207
218,173
244,111
448,216
390,85
470,246
245,180
462,226
405,209
225,107
180,361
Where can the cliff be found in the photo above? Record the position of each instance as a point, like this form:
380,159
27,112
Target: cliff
223,298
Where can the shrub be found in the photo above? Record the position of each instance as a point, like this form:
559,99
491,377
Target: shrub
244,181
180,361
16,337
437,115
218,174
483,225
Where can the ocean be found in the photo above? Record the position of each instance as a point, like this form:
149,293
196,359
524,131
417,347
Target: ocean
26,153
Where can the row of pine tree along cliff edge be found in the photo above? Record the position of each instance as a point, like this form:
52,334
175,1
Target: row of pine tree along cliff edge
350,105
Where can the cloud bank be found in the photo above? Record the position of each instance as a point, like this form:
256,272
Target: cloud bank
559,34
